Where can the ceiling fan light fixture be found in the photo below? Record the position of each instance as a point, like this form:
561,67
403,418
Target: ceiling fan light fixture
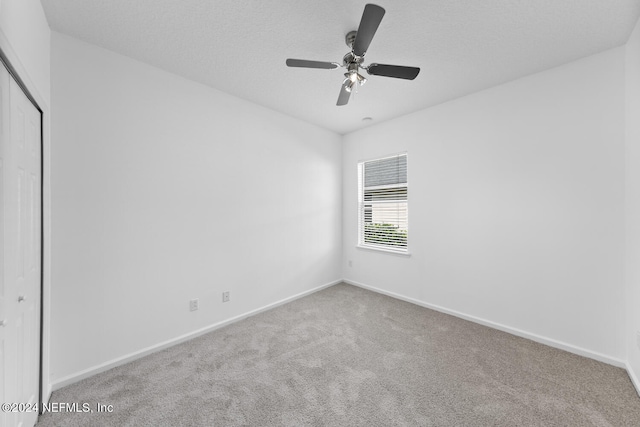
354,77
348,84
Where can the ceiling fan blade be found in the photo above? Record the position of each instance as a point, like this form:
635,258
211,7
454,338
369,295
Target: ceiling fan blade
311,64
369,23
397,71
343,98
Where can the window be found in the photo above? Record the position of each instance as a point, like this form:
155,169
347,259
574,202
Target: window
383,204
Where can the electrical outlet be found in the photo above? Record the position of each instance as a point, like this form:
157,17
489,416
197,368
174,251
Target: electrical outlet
193,305
225,296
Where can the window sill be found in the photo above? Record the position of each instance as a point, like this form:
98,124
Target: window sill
385,250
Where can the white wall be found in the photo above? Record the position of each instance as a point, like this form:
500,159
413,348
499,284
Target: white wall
166,190
24,26
632,204
25,41
516,206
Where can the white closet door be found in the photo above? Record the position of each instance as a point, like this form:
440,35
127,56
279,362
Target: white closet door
21,250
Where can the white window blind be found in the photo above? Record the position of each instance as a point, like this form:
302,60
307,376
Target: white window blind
383,203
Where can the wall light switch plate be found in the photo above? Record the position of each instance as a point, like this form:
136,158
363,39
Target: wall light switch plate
225,296
193,305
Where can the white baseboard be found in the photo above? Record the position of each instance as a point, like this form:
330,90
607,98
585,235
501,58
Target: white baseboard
634,378
514,331
46,395
78,376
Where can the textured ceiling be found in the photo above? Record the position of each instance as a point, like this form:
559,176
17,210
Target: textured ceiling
240,46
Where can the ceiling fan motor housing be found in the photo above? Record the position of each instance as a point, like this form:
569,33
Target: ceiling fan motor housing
352,62
351,58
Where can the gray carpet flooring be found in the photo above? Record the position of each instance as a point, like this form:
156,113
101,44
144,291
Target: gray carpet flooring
346,356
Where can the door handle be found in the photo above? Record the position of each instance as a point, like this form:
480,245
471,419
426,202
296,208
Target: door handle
22,298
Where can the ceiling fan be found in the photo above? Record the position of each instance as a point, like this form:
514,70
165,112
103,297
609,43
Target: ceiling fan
359,42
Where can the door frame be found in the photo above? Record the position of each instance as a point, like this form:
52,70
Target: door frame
4,61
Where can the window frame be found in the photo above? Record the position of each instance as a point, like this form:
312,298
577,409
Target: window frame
360,244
